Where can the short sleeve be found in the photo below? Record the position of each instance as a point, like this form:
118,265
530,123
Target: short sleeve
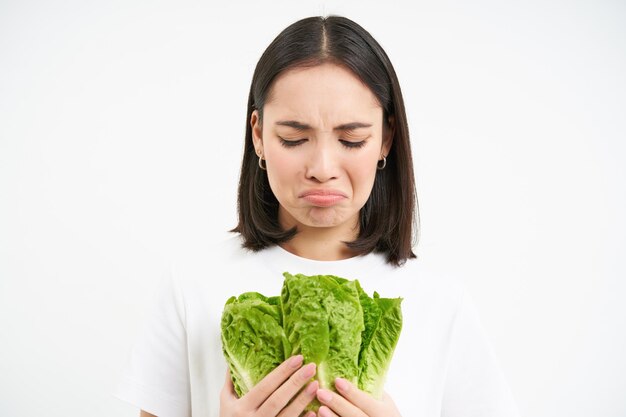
475,385
156,377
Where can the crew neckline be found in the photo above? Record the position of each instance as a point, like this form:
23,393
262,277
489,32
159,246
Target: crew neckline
279,260
280,256
303,259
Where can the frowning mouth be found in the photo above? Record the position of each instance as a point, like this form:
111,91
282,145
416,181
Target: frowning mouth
323,198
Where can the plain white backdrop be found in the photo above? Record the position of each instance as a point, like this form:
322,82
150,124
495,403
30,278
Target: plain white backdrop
121,132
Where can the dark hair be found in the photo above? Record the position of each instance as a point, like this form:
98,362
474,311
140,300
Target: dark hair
387,219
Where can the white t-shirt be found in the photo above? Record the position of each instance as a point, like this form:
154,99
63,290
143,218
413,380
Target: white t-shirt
443,364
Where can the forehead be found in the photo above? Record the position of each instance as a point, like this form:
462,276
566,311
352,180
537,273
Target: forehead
323,94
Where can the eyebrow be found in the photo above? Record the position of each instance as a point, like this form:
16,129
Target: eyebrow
303,126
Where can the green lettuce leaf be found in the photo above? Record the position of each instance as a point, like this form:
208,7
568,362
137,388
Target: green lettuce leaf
323,320
253,340
383,323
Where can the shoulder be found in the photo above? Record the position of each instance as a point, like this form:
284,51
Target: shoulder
420,274
209,255
220,265
421,284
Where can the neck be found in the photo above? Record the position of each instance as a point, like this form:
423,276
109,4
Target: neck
322,243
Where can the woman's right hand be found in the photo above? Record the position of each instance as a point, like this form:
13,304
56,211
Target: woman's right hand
272,396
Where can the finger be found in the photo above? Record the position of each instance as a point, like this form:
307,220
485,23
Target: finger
360,399
261,391
287,391
326,412
387,399
337,404
228,390
303,399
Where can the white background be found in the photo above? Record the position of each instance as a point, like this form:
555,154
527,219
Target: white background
121,131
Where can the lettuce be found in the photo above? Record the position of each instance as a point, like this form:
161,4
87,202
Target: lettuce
253,340
383,322
328,319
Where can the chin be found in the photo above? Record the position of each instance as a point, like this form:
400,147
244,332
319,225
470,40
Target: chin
324,217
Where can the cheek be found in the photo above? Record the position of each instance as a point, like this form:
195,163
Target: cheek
362,176
282,174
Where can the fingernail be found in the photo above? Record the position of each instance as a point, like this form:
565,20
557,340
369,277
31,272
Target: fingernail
309,370
295,361
310,414
324,396
324,412
311,388
341,384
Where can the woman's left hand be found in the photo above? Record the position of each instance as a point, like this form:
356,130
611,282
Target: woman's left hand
352,402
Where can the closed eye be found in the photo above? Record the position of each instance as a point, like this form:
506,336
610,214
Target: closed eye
352,145
347,143
291,143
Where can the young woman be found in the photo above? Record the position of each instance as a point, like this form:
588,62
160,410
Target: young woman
326,188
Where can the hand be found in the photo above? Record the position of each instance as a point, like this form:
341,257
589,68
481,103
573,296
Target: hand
272,396
352,402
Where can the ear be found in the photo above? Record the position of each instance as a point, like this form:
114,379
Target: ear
389,130
257,132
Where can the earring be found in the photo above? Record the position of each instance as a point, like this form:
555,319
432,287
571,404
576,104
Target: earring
383,165
264,168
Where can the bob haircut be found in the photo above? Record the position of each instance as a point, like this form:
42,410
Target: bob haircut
388,218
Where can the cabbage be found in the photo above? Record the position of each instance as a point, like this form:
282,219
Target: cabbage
328,319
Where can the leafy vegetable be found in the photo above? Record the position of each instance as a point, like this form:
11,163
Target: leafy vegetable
323,320
383,322
328,319
253,340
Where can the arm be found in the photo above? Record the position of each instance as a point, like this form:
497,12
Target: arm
146,414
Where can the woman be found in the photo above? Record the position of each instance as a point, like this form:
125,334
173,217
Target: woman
326,187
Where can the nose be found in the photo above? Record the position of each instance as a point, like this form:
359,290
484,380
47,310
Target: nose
321,163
